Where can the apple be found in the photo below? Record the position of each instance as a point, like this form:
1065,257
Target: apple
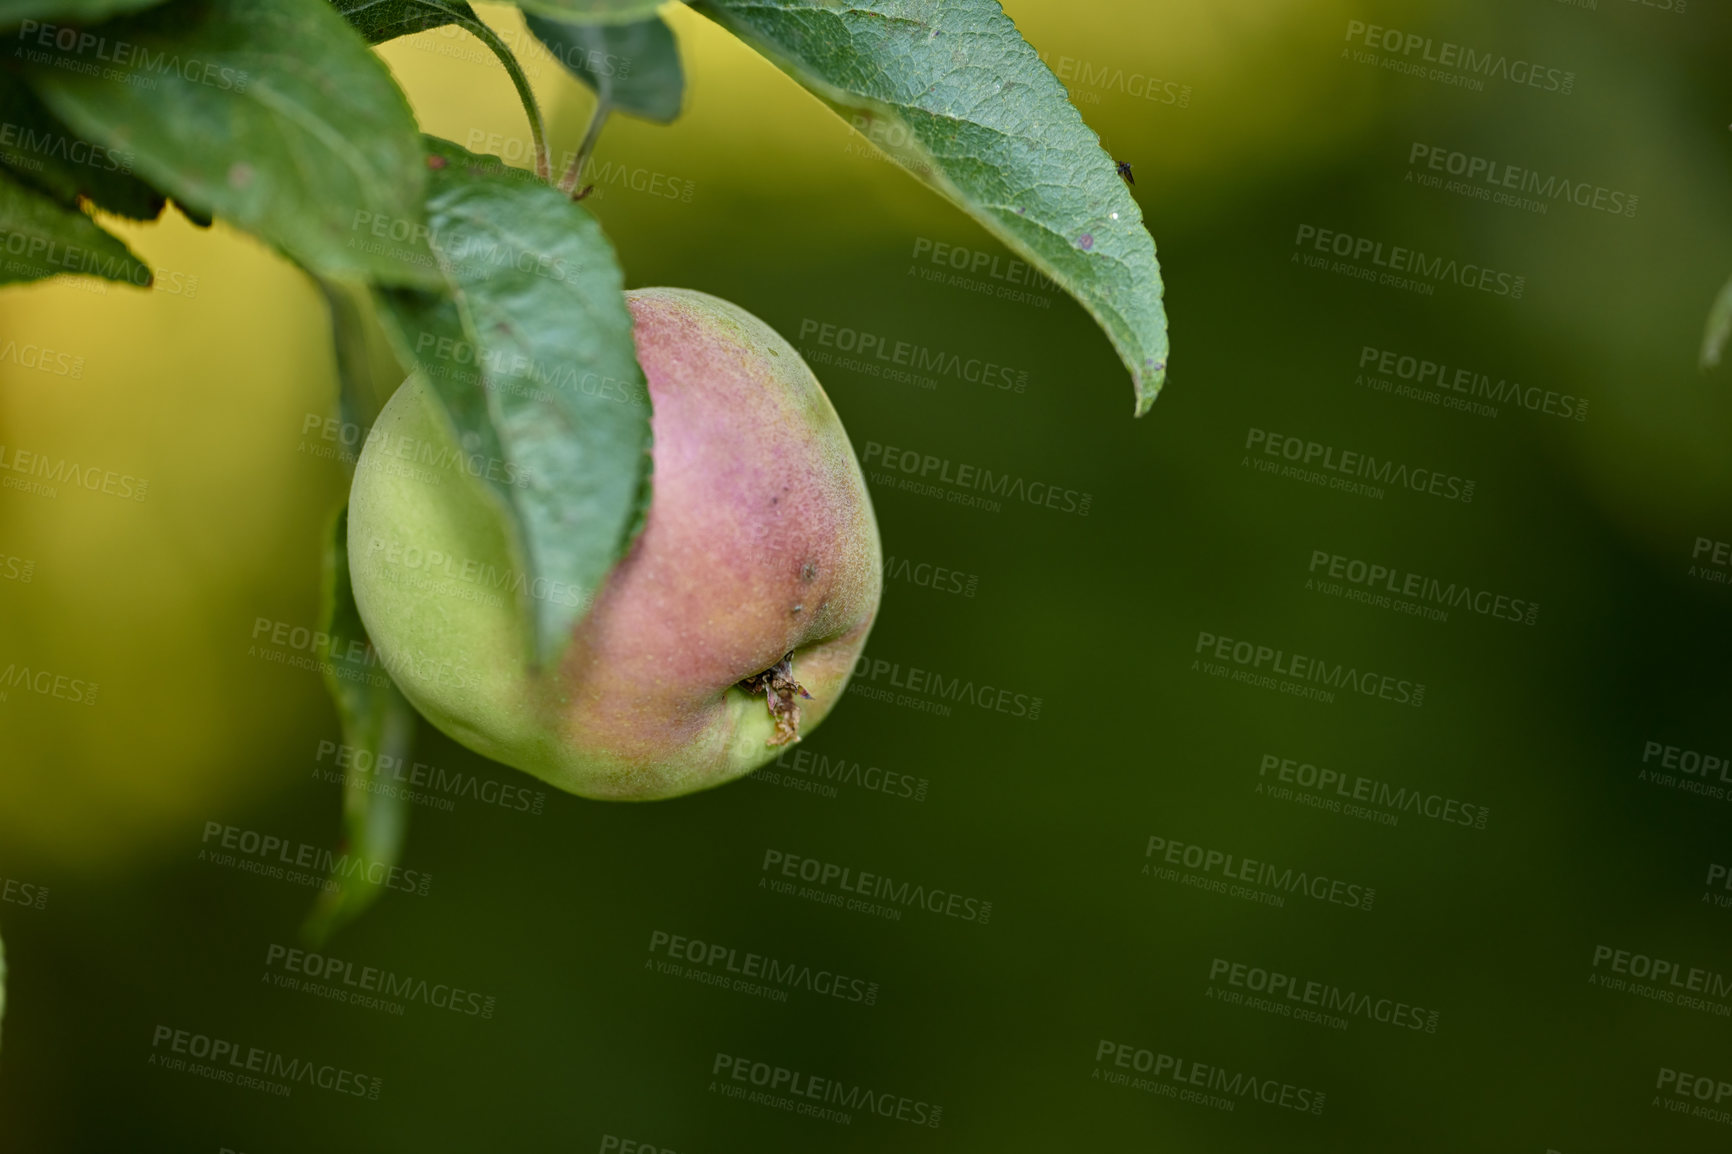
730,626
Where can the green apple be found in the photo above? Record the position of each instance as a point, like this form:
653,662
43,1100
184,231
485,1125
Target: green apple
733,622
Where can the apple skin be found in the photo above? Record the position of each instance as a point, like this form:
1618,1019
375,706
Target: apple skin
760,542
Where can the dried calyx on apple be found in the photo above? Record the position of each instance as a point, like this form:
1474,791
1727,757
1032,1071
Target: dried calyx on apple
781,694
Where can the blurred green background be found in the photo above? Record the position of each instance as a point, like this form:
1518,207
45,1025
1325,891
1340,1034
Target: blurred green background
1262,121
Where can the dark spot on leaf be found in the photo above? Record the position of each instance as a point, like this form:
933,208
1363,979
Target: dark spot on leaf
1086,241
808,571
435,162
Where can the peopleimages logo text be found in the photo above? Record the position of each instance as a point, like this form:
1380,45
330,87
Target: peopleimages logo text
359,981
1317,455
1410,261
874,885
1337,675
1517,179
848,1096
62,471
1429,591
1232,867
1233,1085
278,852
785,975
231,1061
1323,996
918,358
1322,781
133,62
1444,377
964,479
1447,54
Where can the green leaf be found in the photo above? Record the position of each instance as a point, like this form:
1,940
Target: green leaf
382,20
198,219
15,12
530,351
378,721
634,68
990,127
272,114
44,152
593,11
40,238
1718,328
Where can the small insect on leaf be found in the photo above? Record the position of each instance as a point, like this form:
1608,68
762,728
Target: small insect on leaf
1124,167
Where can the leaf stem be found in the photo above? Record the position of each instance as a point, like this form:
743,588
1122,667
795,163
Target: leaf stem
573,171
487,36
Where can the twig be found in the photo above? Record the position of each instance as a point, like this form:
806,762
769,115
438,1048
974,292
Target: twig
543,170
574,171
